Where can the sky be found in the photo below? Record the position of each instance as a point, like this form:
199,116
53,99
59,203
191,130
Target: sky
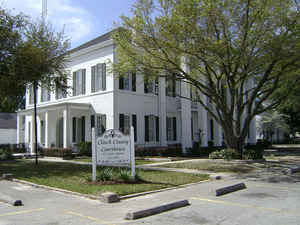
82,20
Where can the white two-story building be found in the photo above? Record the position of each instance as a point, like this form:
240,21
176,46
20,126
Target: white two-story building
105,101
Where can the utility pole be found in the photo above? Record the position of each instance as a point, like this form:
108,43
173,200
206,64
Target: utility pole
44,15
44,10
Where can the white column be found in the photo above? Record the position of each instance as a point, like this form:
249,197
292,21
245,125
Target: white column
46,124
39,129
186,115
88,133
33,134
66,128
203,122
19,128
162,105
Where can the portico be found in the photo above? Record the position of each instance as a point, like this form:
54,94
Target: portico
70,121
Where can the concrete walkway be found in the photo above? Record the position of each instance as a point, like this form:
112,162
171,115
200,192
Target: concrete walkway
153,166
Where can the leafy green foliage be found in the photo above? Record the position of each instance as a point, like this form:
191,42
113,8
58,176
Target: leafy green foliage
30,53
105,174
5,155
253,153
85,148
235,52
125,175
227,154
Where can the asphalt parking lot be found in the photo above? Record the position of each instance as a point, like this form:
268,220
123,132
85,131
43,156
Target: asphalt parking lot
270,198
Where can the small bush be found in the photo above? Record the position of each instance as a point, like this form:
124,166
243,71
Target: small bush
125,175
14,148
105,175
5,155
227,154
58,152
85,148
253,154
158,151
215,155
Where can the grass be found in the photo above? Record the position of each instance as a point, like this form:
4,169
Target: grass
75,177
212,167
137,161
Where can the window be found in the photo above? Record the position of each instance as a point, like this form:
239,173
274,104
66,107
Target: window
60,92
45,94
194,94
211,129
79,82
82,128
125,84
31,94
74,129
171,87
151,86
151,128
98,77
124,123
171,129
101,124
134,126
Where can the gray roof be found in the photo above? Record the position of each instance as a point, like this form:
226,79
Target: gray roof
8,120
102,38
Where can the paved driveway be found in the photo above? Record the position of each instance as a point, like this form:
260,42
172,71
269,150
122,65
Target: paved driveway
267,200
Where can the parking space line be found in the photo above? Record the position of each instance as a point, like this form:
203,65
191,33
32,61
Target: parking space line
246,206
88,217
275,187
21,212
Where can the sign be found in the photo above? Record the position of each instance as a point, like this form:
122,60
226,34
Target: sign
113,148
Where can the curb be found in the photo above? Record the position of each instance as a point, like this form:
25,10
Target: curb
156,210
161,190
294,170
56,189
229,189
93,197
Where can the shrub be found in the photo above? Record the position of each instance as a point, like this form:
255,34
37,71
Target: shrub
14,148
105,175
58,152
227,154
253,153
5,155
156,151
210,143
215,155
85,148
125,175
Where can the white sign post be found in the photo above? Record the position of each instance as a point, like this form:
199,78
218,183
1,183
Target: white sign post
113,148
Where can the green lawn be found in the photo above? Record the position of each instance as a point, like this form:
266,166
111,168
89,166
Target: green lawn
75,177
137,161
212,166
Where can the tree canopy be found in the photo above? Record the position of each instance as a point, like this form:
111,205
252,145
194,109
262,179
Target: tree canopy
30,52
234,52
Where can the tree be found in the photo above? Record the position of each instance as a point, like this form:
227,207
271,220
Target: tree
291,106
11,90
271,122
38,59
234,52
